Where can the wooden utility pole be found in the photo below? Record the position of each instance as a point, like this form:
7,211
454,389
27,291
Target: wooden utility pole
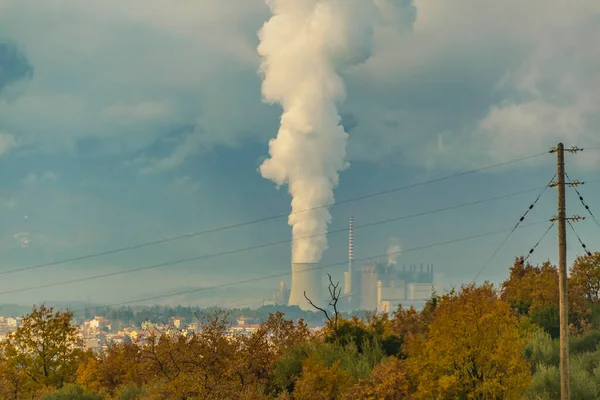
562,277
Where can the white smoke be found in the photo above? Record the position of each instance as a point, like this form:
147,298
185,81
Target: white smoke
394,251
303,48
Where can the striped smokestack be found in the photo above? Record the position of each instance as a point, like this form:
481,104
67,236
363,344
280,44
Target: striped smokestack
348,274
351,240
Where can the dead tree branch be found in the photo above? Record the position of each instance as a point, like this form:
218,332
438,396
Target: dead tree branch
334,293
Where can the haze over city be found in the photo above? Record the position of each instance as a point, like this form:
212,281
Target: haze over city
123,123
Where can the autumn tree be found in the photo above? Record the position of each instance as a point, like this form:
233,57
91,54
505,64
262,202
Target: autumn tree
584,291
320,382
282,333
45,348
388,381
205,365
116,367
472,349
585,277
531,288
14,381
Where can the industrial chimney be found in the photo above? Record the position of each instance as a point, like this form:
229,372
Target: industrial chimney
306,277
348,274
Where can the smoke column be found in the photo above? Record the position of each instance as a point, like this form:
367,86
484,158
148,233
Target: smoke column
303,47
393,252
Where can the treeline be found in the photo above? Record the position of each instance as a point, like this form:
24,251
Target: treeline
477,342
129,316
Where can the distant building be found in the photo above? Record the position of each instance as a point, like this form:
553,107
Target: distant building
382,287
99,323
178,322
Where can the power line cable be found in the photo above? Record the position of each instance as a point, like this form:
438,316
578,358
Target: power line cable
589,253
230,252
531,206
345,262
252,222
585,205
538,243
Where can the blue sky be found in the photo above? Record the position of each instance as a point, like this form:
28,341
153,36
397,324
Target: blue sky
126,122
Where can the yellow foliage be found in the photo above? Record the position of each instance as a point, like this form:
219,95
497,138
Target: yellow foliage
585,277
388,381
473,349
319,382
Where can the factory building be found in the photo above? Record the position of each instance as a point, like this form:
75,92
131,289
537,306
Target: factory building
377,287
382,287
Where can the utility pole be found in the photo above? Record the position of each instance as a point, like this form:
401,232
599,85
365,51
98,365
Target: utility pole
562,275
562,264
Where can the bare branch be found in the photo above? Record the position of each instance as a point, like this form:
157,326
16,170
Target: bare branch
317,307
334,292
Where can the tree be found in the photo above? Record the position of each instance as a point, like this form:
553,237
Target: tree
14,382
531,287
388,381
584,288
320,382
472,349
585,277
69,392
115,367
45,348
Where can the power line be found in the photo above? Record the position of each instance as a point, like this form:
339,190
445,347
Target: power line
513,230
345,262
252,222
585,205
538,243
589,253
230,252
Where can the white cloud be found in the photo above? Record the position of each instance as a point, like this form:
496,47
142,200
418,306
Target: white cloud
475,80
469,80
154,66
8,203
186,183
33,179
7,142
143,110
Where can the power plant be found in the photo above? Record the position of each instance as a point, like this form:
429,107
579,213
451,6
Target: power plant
377,287
306,278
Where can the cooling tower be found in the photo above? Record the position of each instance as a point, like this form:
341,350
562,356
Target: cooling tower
306,277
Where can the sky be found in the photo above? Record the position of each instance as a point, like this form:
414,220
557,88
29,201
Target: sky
128,122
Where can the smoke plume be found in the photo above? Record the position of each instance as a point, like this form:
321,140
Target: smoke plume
303,47
393,251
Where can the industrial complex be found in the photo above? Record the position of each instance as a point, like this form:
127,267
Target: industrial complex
377,286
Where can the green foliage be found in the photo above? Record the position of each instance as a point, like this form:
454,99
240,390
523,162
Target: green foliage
358,363
584,366
545,384
71,392
547,318
583,385
360,335
131,392
541,349
289,367
594,317
588,342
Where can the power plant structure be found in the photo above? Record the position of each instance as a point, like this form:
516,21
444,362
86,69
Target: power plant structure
306,279
377,287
